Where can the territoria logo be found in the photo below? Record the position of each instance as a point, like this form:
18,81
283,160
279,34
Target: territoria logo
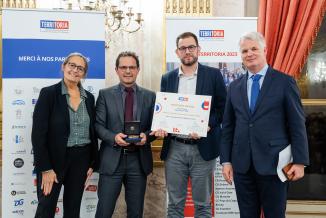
54,24
211,33
181,98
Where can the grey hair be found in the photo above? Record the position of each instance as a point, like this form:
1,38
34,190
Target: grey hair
254,36
73,54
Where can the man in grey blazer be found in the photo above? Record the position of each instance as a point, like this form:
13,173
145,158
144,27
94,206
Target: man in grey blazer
122,162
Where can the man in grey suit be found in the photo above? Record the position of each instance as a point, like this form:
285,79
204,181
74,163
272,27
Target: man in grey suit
122,162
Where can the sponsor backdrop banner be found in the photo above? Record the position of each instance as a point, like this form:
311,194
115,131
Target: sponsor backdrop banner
218,39
35,43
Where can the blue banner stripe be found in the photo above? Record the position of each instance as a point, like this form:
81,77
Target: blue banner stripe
39,58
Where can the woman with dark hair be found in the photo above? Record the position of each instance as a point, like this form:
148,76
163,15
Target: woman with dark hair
64,142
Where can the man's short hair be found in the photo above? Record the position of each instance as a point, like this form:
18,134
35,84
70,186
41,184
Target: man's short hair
127,54
186,35
254,36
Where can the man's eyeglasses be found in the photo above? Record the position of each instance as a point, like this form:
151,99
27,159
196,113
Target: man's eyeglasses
73,66
191,48
125,68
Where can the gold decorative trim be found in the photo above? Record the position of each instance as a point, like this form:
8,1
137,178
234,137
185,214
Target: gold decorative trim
298,202
158,163
314,102
306,213
296,207
188,7
156,150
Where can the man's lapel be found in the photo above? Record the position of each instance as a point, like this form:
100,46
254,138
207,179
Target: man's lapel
244,93
119,103
175,81
264,88
139,94
200,80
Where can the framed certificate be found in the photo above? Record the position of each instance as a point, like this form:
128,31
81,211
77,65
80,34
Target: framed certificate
181,114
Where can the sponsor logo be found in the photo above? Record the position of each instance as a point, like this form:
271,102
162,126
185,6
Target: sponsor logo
18,114
18,139
57,210
34,202
54,24
18,127
23,151
183,98
91,188
18,102
18,212
205,105
90,198
13,192
19,174
36,90
90,208
17,183
18,162
34,101
18,91
91,89
19,202
211,34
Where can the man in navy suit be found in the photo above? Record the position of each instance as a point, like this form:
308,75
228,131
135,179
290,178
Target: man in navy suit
188,155
263,115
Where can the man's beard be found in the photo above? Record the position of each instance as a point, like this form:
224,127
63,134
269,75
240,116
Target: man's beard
189,63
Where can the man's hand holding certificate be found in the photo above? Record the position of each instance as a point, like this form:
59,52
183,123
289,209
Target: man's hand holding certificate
181,114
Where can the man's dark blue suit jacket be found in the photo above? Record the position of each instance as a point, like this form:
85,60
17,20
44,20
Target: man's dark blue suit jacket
278,120
209,82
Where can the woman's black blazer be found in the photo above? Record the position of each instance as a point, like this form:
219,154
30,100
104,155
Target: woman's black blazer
51,129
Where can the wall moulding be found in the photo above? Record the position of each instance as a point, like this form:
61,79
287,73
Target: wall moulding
314,102
306,208
188,7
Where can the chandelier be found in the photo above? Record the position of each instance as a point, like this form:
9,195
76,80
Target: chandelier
119,14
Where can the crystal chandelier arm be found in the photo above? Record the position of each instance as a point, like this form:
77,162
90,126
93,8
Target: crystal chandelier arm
110,24
117,26
129,15
137,20
132,31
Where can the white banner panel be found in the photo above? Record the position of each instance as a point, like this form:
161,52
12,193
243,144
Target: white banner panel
218,39
59,24
34,45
